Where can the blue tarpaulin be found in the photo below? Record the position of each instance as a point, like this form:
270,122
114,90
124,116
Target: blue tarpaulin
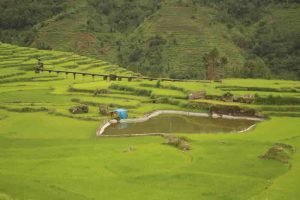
122,113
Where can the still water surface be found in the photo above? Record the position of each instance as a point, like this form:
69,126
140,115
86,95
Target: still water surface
180,124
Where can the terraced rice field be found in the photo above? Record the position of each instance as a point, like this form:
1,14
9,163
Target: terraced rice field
48,153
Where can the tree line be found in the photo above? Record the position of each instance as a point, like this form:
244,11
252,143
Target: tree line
120,15
19,16
270,51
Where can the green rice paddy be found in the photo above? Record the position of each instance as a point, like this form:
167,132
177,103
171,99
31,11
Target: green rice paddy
48,153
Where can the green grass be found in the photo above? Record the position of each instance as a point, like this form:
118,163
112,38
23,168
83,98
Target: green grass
53,154
55,163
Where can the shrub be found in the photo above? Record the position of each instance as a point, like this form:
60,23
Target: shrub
280,152
228,97
178,142
103,110
79,109
100,91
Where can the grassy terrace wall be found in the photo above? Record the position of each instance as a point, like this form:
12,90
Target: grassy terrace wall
48,153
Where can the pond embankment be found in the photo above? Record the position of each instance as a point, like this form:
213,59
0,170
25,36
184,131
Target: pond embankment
147,117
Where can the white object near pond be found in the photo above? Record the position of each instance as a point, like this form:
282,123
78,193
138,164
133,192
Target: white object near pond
101,130
113,121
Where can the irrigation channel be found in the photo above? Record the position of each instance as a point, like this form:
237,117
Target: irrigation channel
169,121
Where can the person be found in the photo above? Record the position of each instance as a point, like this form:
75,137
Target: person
39,66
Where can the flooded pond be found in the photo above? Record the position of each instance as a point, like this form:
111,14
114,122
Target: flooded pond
170,123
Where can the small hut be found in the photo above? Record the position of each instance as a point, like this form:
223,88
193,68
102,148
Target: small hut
119,114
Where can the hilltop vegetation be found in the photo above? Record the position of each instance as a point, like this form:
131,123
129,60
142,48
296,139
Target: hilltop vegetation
18,17
164,38
120,16
272,36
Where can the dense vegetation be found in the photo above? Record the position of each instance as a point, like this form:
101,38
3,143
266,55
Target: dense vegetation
165,38
277,47
246,11
120,15
18,18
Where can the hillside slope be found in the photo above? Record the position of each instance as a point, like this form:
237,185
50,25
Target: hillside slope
188,34
169,38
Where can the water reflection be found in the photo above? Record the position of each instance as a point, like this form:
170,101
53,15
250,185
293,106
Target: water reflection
180,124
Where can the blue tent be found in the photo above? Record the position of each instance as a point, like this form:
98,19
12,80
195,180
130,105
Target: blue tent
122,113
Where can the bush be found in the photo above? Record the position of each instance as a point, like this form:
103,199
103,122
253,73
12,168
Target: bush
79,109
178,142
280,152
256,68
101,91
227,97
156,41
103,110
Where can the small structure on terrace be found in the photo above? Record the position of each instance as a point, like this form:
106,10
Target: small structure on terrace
119,114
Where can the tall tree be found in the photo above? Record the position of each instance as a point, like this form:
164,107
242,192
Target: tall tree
213,60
